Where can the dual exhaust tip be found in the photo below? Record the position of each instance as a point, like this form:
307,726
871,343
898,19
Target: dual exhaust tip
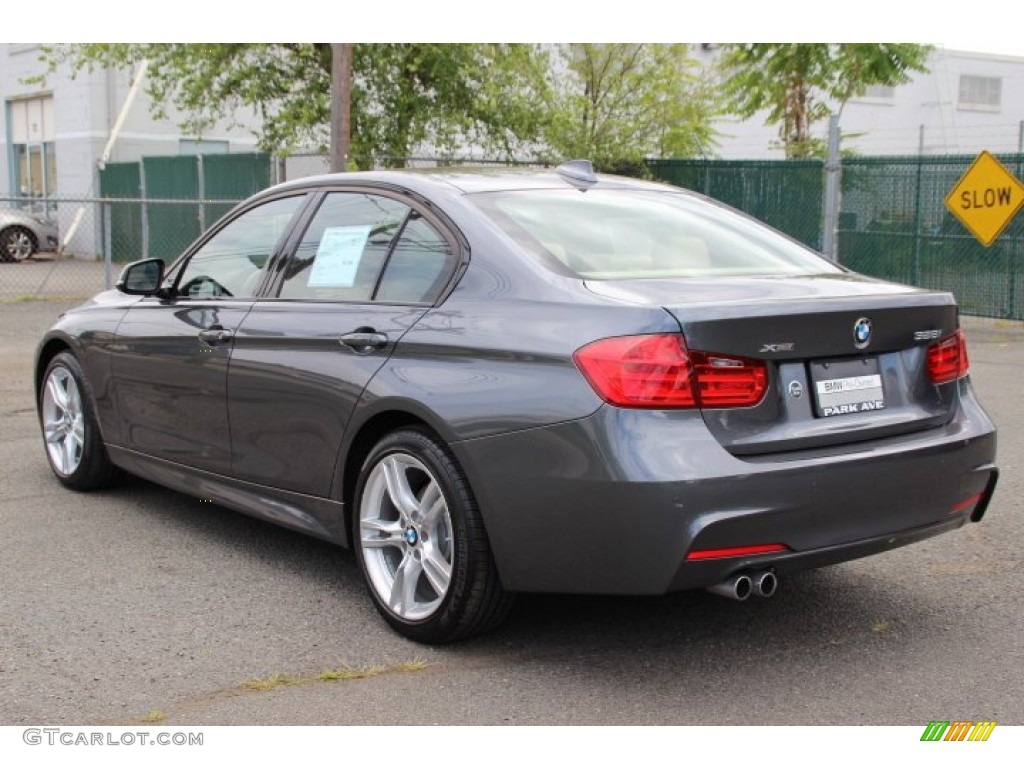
743,585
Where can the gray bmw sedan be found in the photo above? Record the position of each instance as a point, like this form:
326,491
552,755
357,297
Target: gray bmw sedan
495,382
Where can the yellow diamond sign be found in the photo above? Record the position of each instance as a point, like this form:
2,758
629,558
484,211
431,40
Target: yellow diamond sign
986,198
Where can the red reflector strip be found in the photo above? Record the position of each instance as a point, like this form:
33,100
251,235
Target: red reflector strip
754,549
966,503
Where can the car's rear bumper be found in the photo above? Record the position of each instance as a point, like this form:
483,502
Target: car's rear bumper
615,503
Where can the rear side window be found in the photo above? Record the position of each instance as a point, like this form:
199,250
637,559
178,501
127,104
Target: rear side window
419,264
344,248
623,234
362,247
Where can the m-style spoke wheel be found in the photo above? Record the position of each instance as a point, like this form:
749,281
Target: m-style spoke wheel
71,435
406,536
421,542
63,421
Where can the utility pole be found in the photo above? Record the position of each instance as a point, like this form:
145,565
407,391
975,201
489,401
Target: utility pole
341,106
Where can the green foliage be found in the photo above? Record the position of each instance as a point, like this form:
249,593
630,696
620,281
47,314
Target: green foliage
801,83
403,96
616,103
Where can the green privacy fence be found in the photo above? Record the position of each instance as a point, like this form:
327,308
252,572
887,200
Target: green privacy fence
786,194
170,200
893,222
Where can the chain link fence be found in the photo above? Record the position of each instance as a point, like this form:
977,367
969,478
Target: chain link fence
303,165
72,248
892,222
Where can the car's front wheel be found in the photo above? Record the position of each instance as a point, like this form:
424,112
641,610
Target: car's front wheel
74,446
421,543
16,244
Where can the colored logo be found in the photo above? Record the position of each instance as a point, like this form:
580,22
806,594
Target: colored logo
862,333
958,730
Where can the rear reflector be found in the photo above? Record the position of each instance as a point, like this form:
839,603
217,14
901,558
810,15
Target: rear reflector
658,371
753,549
967,503
947,359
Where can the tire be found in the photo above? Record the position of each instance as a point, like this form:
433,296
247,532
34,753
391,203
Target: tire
71,436
17,244
421,543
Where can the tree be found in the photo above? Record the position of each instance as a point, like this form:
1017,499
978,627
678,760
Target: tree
616,103
403,96
801,83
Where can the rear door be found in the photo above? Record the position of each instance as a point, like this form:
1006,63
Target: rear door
367,268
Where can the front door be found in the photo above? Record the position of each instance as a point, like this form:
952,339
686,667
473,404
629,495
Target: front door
173,353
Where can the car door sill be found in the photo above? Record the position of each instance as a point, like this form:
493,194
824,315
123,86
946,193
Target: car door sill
323,518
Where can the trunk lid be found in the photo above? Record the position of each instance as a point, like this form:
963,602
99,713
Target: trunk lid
846,354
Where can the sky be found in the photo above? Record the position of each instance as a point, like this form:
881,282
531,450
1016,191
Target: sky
977,26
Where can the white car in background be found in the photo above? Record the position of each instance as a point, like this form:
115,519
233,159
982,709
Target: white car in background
25,234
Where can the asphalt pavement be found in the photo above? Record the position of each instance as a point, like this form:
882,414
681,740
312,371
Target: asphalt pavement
141,604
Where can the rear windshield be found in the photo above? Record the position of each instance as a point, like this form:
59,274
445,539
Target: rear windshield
619,234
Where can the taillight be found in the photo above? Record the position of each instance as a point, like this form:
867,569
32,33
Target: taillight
729,382
947,359
658,371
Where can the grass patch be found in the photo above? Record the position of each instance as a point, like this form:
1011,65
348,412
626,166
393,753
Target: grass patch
154,716
338,673
272,682
879,627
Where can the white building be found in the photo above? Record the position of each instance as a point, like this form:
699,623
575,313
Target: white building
53,135
965,103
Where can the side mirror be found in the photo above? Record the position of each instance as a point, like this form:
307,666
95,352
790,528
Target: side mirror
142,278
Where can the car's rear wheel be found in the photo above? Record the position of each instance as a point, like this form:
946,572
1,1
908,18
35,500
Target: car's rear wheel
16,244
74,446
421,543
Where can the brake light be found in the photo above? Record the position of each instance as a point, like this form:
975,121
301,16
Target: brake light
947,359
658,371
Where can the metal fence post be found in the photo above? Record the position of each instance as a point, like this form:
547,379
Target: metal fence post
201,181
917,207
833,168
145,209
108,248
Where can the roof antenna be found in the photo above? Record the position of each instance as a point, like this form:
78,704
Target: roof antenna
579,173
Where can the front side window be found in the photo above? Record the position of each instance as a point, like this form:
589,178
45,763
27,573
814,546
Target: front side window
233,262
625,234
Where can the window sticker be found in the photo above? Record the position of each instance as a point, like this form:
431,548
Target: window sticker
338,256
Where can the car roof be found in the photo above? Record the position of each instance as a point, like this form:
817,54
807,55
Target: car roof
468,180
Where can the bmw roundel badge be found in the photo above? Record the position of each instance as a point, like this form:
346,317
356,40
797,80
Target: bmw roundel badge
862,333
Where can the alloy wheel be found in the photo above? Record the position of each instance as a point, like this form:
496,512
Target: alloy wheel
405,531
63,421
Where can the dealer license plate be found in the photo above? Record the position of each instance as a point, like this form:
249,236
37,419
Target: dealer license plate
847,386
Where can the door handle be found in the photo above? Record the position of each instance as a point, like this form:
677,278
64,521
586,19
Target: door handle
216,335
362,340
